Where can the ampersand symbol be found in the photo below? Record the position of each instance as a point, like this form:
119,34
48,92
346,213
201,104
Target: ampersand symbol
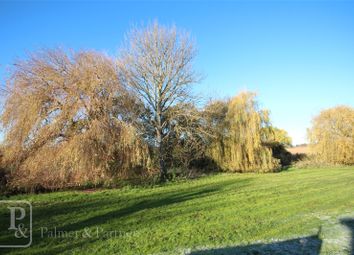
21,231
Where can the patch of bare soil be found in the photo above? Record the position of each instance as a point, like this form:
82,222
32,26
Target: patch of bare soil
303,149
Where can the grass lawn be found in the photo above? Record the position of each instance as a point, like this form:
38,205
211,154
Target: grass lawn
221,214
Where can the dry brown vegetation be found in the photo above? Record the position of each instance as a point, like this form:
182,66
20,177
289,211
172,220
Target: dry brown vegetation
64,121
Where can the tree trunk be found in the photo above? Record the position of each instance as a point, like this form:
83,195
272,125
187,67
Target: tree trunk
163,170
161,153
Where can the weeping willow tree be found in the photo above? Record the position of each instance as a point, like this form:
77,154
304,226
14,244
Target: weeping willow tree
239,132
65,121
332,135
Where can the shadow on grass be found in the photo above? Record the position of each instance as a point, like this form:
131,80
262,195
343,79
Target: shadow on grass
310,245
155,201
349,223
106,210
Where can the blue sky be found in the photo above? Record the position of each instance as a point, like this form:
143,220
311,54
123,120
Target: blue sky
297,55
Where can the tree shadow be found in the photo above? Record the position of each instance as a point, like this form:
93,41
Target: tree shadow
310,245
349,223
111,209
154,201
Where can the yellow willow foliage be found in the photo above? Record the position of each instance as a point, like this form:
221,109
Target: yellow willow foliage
238,147
277,135
332,135
63,121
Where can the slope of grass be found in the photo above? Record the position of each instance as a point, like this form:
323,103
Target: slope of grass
225,210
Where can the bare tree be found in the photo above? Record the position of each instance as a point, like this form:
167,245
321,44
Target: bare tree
157,64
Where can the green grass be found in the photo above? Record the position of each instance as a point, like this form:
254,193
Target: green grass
238,211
